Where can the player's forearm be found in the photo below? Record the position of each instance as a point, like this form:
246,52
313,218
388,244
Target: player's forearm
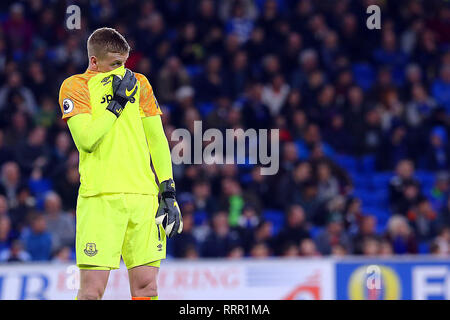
158,147
87,132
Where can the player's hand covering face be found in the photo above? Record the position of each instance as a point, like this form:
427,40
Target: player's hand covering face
169,214
124,91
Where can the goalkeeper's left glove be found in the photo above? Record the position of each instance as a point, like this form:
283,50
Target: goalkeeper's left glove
169,214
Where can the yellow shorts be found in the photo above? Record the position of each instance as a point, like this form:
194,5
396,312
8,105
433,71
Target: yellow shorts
113,225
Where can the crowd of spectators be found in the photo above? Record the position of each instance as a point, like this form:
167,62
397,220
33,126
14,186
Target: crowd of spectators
335,89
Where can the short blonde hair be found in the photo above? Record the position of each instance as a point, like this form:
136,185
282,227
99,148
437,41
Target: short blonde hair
104,40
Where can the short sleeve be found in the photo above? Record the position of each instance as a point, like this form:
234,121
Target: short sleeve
147,101
74,97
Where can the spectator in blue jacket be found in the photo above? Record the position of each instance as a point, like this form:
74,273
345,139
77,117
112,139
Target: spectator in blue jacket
37,240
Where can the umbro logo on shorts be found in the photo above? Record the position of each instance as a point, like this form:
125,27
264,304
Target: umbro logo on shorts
159,246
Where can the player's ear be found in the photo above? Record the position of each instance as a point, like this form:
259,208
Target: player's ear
93,61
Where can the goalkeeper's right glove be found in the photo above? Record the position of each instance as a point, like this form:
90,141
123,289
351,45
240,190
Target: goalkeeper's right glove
123,91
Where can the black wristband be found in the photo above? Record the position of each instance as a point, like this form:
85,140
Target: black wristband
120,100
115,108
167,189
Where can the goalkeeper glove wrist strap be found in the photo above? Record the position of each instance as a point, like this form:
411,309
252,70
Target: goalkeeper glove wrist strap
115,107
167,189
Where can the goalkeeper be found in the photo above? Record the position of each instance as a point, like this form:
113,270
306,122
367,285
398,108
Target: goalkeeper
114,120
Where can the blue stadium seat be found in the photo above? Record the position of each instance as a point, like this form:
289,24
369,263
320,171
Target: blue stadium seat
381,228
376,199
382,215
423,248
362,181
245,178
364,75
276,217
382,196
205,108
426,178
381,179
40,188
367,164
302,149
193,70
315,231
347,162
169,107
200,217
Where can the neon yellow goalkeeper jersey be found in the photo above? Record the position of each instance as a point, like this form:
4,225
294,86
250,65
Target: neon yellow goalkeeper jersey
121,161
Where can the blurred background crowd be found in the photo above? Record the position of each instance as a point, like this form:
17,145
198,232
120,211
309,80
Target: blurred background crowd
363,118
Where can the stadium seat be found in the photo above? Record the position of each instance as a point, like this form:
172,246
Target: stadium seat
346,162
382,215
367,164
377,199
303,152
381,228
369,199
276,217
205,108
315,231
193,70
200,217
381,179
426,178
364,75
245,178
40,188
362,181
382,196
423,248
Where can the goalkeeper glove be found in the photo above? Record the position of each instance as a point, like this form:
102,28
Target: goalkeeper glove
169,214
123,91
